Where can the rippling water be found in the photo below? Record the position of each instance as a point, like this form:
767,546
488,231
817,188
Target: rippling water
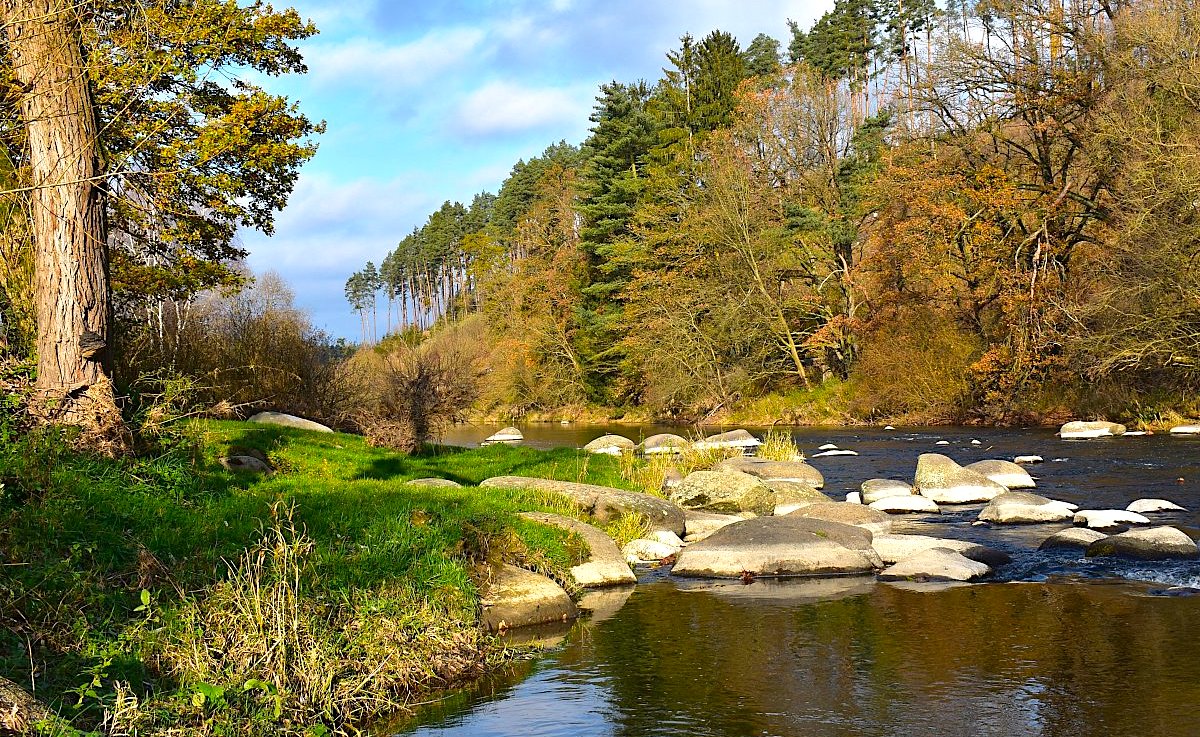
1055,645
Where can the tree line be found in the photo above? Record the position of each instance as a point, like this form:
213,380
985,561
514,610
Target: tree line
979,211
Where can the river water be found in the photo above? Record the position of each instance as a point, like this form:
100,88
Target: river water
1053,644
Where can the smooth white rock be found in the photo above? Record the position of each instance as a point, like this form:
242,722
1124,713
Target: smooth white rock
732,439
828,446
1186,430
1089,430
942,442
285,420
1142,506
1135,433
1028,459
1103,518
976,442
937,564
647,550
834,453
507,435
1006,474
906,504
875,489
854,498
889,427
666,537
895,548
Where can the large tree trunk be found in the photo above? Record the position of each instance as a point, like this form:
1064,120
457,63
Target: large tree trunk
71,255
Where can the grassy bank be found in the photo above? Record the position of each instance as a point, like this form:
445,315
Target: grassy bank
169,596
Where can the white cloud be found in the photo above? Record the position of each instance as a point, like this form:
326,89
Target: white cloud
504,107
364,62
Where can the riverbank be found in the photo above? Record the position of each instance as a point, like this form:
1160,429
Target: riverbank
171,594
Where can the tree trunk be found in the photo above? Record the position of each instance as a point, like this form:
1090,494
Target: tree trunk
71,254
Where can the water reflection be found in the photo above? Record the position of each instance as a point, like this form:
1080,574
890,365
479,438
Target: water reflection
1050,659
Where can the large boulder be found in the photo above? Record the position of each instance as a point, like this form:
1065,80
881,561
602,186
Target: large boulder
1079,430
278,418
739,439
603,503
846,513
895,548
1156,543
518,598
664,443
791,495
1102,519
1020,507
779,546
1072,538
911,504
936,564
1005,473
944,481
724,492
611,445
605,565
702,524
1186,430
775,470
875,489
1144,506
506,435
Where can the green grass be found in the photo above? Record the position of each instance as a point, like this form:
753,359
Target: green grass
381,576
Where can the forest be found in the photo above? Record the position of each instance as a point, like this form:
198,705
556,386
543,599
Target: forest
978,213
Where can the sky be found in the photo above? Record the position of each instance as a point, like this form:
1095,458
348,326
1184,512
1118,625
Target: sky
432,101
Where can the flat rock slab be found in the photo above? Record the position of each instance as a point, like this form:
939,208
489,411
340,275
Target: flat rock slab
895,548
771,470
1145,506
936,564
1019,507
520,598
279,418
1185,430
434,483
702,524
944,481
847,513
875,489
1005,473
779,546
1072,538
911,504
724,492
606,565
1156,543
613,445
1099,519
791,495
1079,430
602,502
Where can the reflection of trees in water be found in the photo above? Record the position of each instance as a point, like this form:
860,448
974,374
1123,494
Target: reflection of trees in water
1003,659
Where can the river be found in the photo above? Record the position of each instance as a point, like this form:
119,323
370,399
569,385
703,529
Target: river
1054,643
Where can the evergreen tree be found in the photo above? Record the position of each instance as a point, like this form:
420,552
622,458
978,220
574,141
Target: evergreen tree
720,68
762,56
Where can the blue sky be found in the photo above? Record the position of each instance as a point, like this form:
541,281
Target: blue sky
434,101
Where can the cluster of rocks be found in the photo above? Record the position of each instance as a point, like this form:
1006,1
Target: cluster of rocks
1079,430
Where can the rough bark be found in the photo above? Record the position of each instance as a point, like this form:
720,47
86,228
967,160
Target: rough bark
71,256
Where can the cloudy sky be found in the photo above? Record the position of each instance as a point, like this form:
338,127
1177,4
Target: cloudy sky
433,101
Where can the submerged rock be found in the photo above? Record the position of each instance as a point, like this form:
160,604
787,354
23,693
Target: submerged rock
775,470
1143,506
913,503
847,514
936,564
601,502
664,443
944,481
1087,430
779,546
1072,537
612,445
1099,519
519,598
875,489
1156,543
284,420
724,492
1019,507
1007,474
605,565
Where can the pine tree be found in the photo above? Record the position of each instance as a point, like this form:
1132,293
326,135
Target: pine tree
762,56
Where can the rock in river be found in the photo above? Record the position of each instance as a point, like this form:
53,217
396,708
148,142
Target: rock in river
895,548
1186,430
724,492
944,481
1100,519
702,524
1007,474
875,489
1144,506
847,514
605,565
610,445
601,502
791,495
913,503
507,435
1020,507
740,439
779,546
936,564
1087,430
664,443
1072,537
1156,543
775,470
517,598
278,418
646,551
